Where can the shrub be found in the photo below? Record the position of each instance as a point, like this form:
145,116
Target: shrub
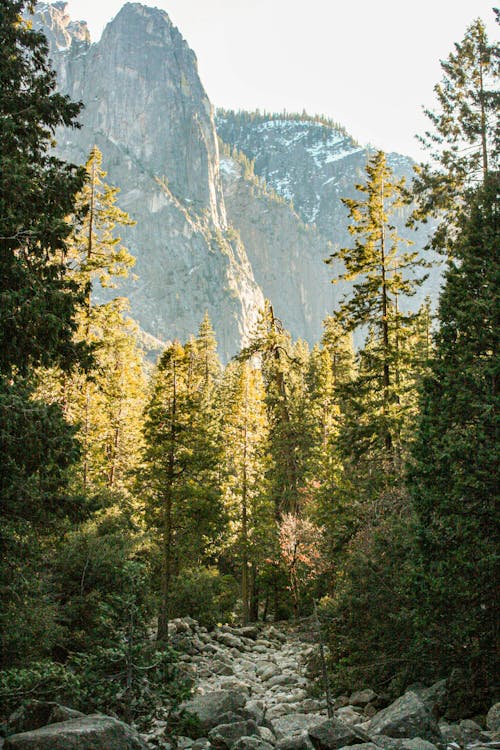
205,594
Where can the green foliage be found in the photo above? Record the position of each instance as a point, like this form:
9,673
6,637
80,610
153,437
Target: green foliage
37,192
452,482
132,681
464,140
205,594
243,117
369,612
100,580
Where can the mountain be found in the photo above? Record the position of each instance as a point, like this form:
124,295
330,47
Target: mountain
147,111
313,162
220,225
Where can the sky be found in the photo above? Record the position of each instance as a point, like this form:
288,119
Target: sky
369,64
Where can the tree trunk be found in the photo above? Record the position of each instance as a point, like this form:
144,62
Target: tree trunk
166,563
385,328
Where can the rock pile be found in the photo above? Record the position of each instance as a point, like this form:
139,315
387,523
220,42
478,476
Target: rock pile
251,693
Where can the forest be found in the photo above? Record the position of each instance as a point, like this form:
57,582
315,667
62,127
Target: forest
358,482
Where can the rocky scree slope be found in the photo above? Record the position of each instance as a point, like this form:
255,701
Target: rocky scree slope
147,111
251,692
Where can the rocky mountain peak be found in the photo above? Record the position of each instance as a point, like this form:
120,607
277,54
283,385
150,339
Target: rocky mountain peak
57,25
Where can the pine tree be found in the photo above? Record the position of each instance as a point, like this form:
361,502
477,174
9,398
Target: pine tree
465,137
452,480
385,275
181,464
37,192
37,324
97,257
244,435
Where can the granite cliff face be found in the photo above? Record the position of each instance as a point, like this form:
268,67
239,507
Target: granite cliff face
211,234
147,111
313,163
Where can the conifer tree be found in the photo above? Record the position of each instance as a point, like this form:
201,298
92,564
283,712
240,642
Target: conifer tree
97,257
452,481
37,192
384,274
464,140
181,463
245,491
37,324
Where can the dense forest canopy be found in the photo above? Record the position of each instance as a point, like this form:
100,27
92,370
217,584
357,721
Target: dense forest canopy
361,482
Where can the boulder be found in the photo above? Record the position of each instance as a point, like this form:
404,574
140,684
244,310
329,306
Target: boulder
256,709
417,743
272,632
348,715
251,743
266,670
224,736
250,631
94,732
362,697
493,718
230,640
296,742
333,734
293,724
208,708
406,717
433,697
35,714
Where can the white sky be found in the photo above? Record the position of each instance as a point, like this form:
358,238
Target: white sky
369,64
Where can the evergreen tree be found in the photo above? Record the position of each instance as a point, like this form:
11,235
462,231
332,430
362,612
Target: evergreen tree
464,140
384,274
37,325
452,481
37,192
245,464
181,464
97,257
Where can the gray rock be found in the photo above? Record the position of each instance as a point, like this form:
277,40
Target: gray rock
282,679
417,743
147,111
272,632
251,743
35,714
433,697
362,697
94,732
266,670
348,715
224,736
250,631
294,723
209,707
256,709
493,718
406,717
333,734
296,742
267,735
230,640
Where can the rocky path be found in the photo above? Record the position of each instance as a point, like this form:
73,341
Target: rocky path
251,692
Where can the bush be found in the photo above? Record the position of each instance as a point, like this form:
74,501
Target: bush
369,617
205,594
130,681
